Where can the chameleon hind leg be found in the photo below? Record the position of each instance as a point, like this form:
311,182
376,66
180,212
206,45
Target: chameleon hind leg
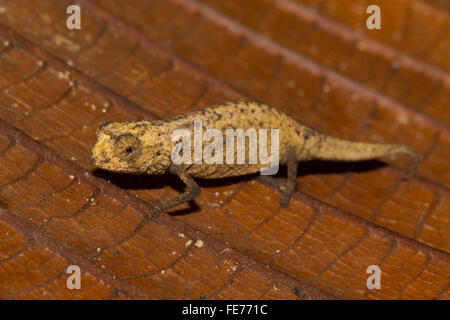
289,188
192,192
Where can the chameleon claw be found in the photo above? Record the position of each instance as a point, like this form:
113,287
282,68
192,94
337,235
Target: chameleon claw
284,202
156,212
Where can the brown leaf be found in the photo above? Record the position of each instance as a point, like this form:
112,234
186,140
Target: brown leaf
156,59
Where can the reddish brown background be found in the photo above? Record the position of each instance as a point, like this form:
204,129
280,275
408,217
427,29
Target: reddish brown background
313,59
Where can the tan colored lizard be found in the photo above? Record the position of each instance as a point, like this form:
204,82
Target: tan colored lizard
146,146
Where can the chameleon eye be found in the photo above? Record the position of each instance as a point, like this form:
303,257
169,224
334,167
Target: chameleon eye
128,147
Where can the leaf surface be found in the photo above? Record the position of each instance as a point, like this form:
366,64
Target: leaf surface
156,59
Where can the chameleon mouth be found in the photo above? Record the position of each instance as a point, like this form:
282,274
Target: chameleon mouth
101,160
101,154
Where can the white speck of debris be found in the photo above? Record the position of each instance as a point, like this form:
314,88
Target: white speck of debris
71,176
361,46
103,266
403,119
69,63
86,174
99,249
6,43
226,249
354,96
68,200
174,252
188,243
163,271
395,65
71,83
63,75
2,10
181,235
73,158
278,251
14,105
291,84
60,40
40,63
198,243
216,194
93,107
275,288
26,113
104,110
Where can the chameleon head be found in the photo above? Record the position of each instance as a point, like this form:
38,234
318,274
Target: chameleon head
128,148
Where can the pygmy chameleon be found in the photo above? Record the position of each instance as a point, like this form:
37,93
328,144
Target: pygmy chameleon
145,147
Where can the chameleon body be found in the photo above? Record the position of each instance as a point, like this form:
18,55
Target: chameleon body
145,146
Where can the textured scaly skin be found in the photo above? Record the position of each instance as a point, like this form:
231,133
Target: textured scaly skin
150,141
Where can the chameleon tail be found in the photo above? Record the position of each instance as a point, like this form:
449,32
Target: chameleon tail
329,148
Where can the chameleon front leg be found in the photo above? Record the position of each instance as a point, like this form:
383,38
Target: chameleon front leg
289,188
192,192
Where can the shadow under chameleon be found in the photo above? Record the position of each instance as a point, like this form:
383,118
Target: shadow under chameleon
143,182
